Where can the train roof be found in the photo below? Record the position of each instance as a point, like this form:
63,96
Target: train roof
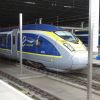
43,27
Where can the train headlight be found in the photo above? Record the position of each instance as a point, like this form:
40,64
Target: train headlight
69,47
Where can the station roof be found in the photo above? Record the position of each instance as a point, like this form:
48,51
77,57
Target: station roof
60,12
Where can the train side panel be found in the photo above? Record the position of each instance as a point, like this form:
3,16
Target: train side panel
48,52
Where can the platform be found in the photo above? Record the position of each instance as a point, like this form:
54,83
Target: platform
96,62
42,81
7,92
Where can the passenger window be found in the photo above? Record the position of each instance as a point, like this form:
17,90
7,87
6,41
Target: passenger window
3,40
0,39
13,39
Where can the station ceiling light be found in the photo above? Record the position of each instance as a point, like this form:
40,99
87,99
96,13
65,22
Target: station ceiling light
32,3
68,6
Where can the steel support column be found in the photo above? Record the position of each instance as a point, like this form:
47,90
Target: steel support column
20,27
93,40
40,20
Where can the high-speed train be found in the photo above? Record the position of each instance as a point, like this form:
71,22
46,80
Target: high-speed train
49,45
83,36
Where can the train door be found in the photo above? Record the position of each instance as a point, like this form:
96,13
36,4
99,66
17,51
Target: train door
41,48
45,49
14,43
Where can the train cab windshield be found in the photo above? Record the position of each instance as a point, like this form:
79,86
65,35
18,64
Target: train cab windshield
67,36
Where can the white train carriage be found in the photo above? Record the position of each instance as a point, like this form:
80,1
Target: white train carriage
49,45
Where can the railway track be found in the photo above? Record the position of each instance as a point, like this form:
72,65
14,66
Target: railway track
32,89
73,77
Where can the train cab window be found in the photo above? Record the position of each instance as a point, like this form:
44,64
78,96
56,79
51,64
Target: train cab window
13,39
67,36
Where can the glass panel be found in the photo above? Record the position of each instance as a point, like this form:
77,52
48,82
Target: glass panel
3,40
67,36
13,39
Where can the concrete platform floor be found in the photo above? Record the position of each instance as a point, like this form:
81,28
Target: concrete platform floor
7,92
59,89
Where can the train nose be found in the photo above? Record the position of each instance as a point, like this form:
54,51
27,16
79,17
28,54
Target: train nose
80,60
